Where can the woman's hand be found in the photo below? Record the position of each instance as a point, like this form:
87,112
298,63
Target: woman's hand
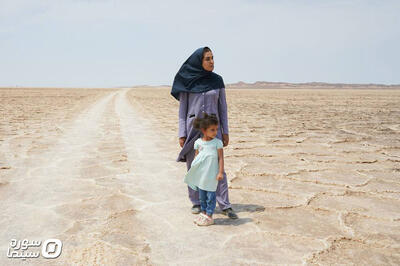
220,176
225,139
182,141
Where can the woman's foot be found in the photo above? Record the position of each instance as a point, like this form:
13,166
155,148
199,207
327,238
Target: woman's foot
204,220
196,209
231,214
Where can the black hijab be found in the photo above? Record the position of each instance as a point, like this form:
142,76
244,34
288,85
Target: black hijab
192,77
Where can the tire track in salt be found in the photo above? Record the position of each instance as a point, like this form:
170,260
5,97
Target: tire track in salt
66,198
160,197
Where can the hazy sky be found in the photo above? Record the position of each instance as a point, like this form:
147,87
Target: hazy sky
103,43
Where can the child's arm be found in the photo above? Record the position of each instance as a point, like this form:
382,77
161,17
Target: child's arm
195,153
221,164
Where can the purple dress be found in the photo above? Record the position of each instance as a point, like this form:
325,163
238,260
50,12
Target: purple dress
192,105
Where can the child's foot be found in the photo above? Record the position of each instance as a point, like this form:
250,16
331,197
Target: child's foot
197,219
204,220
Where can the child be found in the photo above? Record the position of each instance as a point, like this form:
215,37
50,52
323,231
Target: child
207,167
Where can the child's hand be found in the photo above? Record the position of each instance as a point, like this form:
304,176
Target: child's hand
220,176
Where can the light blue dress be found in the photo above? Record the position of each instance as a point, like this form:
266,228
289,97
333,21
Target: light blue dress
204,169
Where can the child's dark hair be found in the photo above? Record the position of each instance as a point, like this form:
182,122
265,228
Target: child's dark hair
205,122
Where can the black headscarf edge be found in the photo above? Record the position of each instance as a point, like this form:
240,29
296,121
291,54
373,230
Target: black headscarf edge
192,77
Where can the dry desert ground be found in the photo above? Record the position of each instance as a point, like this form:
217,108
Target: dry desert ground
314,176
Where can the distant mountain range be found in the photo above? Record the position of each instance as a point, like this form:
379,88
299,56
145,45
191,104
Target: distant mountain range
307,85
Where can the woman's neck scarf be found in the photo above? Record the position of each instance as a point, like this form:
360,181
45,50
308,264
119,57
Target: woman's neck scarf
192,77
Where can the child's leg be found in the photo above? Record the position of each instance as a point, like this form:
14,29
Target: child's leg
211,202
203,199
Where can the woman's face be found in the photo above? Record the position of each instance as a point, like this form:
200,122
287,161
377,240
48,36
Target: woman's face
208,61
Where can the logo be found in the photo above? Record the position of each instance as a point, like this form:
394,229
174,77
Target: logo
51,248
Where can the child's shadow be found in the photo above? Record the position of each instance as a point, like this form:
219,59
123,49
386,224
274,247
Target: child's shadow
238,208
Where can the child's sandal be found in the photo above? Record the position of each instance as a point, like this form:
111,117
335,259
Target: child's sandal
198,218
204,220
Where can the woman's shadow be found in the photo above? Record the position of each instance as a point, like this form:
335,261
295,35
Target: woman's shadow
238,208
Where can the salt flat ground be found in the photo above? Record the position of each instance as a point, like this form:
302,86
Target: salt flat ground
314,176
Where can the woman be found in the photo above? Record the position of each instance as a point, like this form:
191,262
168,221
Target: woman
200,90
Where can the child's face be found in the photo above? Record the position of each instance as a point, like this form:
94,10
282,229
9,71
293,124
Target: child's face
211,131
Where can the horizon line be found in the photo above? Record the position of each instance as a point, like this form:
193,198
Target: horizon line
227,84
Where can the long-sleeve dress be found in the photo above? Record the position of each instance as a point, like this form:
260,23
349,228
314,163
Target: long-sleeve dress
192,105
